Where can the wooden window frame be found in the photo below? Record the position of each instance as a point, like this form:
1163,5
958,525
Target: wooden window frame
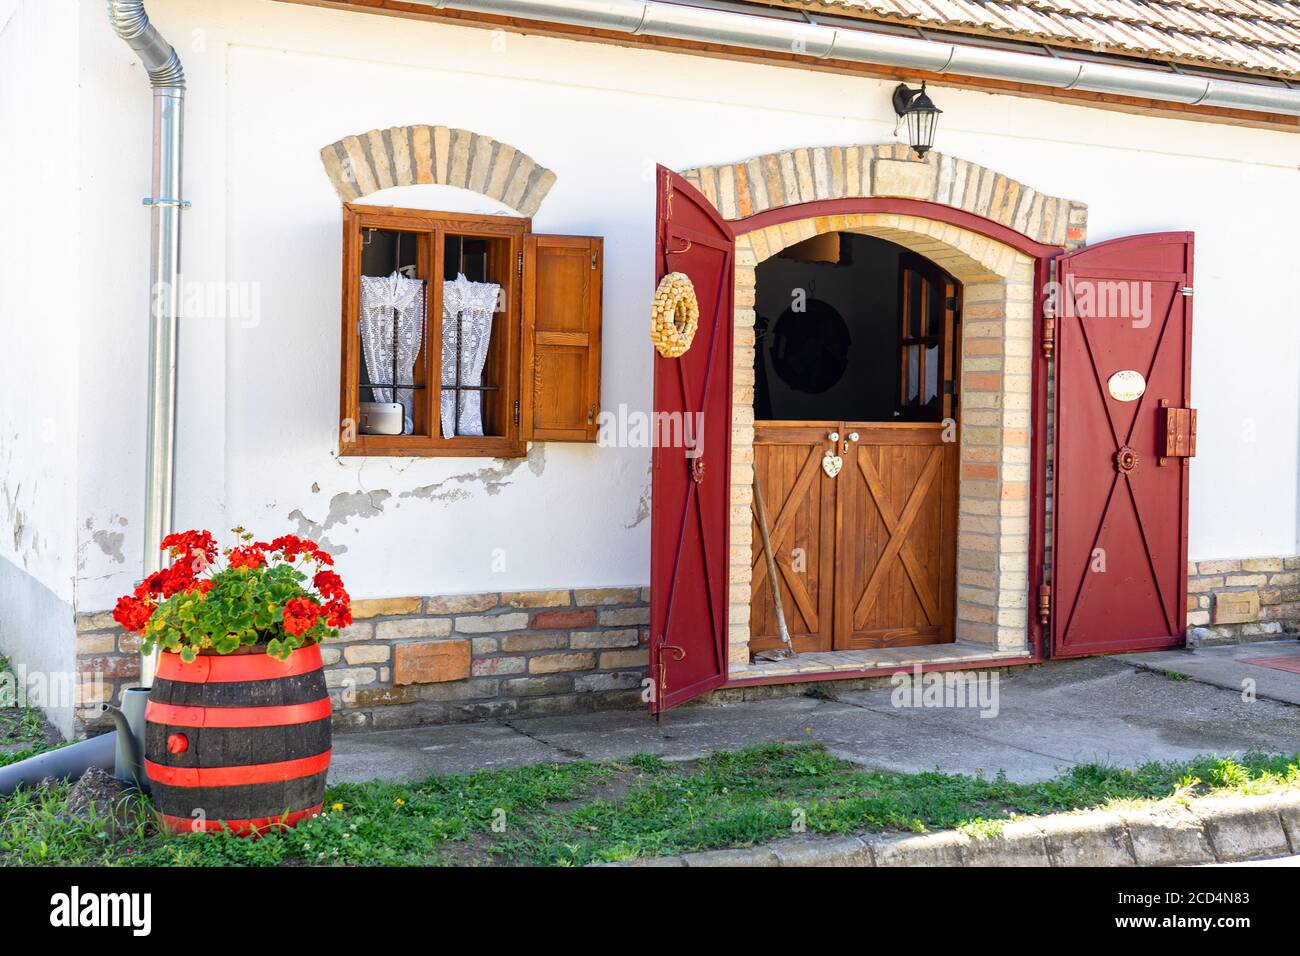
505,362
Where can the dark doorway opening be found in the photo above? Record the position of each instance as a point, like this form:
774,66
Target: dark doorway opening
850,327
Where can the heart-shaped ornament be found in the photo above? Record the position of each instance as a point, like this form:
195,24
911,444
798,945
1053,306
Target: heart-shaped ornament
831,464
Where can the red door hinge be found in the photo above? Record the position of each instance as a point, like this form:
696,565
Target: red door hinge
1044,604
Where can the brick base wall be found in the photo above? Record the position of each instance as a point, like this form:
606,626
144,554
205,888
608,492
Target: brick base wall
430,660
108,661
1245,599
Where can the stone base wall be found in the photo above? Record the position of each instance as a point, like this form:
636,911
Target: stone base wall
108,662
410,661
430,660
1242,600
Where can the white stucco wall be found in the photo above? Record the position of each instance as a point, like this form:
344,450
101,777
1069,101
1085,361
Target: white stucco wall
39,308
271,83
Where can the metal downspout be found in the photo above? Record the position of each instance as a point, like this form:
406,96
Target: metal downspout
167,78
755,32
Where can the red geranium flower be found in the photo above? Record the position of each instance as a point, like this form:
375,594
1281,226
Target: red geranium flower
338,613
328,583
179,577
189,543
300,614
133,613
161,607
248,557
285,543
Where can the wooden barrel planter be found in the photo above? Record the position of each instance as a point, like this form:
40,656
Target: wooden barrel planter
239,741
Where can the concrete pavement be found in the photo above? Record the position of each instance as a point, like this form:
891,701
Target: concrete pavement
1048,718
1232,666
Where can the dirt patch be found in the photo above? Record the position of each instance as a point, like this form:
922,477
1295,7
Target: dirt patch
101,797
475,850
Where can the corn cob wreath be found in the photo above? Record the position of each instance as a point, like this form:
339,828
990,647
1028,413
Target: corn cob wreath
674,315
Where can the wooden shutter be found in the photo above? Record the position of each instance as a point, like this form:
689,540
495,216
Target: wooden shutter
561,348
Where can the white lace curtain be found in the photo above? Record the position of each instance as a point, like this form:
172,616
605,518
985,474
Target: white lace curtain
392,325
467,309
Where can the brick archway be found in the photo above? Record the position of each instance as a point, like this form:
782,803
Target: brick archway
987,231
436,155
819,173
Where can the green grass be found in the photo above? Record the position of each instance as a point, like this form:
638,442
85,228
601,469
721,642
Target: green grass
23,732
571,814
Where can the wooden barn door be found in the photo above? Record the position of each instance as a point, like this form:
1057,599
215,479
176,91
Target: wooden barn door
1123,437
799,500
691,480
897,515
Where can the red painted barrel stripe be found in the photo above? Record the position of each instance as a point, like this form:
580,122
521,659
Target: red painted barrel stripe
237,776
240,827
176,715
211,669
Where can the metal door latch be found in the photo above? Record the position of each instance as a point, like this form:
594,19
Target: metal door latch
1178,427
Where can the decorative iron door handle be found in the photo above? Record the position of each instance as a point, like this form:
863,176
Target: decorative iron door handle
1126,460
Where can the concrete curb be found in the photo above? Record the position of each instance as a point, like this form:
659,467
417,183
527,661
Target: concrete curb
1171,833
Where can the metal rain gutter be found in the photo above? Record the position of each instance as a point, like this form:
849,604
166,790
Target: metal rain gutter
753,32
167,78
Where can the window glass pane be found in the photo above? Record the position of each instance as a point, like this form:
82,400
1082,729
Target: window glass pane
934,323
911,318
467,256
931,374
473,366
391,325
913,374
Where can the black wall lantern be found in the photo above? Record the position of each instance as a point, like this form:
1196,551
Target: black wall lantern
921,114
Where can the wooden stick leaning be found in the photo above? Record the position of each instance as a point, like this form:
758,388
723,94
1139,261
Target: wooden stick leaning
774,583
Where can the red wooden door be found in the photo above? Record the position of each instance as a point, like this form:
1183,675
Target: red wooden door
1119,541
691,479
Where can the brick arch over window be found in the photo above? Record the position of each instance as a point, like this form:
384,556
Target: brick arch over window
436,155
819,173
990,246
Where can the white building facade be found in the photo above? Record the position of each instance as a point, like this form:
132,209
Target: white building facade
518,585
